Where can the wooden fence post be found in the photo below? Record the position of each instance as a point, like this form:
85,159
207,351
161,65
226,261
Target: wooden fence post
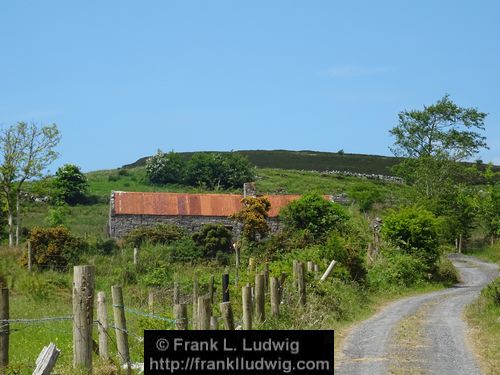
225,287
211,288
226,312
136,256
204,312
246,294
181,316
266,277
328,270
177,296
237,261
121,327
301,283
275,297
102,327
260,297
46,360
151,302
294,273
196,290
83,315
4,328
310,266
30,256
214,323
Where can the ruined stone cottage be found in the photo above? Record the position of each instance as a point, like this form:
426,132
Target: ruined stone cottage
129,210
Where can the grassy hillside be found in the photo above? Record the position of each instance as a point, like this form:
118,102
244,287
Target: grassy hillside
311,161
91,220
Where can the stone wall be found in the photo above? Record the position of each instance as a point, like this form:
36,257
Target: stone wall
120,225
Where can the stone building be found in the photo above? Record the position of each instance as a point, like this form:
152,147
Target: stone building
129,210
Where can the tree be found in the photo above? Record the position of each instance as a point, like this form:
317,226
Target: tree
165,168
70,185
442,130
27,150
433,141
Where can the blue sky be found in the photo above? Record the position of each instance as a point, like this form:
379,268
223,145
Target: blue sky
122,79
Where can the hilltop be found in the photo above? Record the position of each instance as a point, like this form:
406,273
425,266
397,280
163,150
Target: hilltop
309,160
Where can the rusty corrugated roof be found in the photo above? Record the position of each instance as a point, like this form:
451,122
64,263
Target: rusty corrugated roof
176,204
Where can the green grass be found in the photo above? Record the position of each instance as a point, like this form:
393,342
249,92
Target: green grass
488,253
483,317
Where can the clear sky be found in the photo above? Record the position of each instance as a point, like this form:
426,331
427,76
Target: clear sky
122,79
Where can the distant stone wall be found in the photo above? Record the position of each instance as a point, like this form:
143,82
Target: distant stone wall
120,225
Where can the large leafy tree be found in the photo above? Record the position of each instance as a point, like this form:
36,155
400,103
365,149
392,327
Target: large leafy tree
26,151
441,130
70,185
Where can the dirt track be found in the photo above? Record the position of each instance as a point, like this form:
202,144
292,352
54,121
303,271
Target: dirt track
424,334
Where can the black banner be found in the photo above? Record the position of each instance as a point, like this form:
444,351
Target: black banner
238,352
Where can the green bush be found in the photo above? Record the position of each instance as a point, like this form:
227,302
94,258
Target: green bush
414,230
492,292
56,216
104,247
162,234
365,195
165,168
184,250
314,213
446,271
348,253
54,248
219,171
395,270
213,238
69,185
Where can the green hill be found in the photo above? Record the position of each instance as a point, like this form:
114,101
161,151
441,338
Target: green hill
310,161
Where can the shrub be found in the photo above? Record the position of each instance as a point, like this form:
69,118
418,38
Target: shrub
105,247
69,185
446,271
56,216
314,213
492,292
213,238
365,195
395,270
54,247
165,168
253,216
159,234
414,230
184,250
347,252
219,171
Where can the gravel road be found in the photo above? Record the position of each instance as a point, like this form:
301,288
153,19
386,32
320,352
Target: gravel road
424,334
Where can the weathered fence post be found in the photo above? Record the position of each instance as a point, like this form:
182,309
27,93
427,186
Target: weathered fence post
301,277
181,316
211,288
266,277
275,296
30,256
251,264
102,327
260,297
46,360
177,296
316,268
214,323
4,328
225,287
120,327
204,312
237,261
151,302
196,289
310,266
226,312
328,270
294,274
83,315
246,294
136,256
